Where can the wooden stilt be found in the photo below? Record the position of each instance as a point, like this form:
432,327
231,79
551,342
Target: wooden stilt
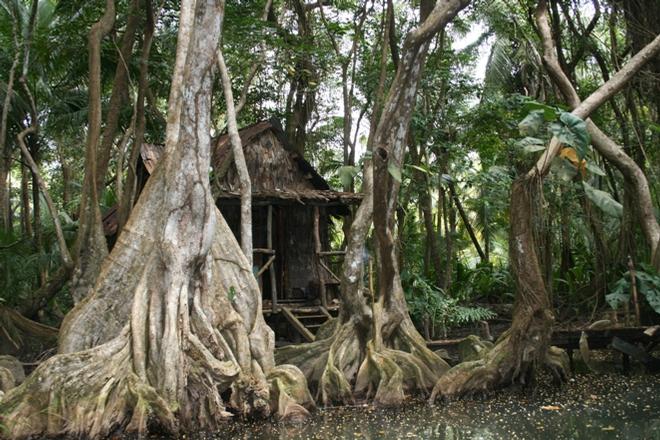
271,268
317,251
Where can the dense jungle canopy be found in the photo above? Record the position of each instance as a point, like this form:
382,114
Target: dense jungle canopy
473,161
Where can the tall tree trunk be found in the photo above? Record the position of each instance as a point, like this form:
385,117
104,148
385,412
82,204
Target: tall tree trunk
426,207
374,345
91,249
525,346
302,96
245,185
175,342
467,224
119,95
5,150
130,185
26,224
67,177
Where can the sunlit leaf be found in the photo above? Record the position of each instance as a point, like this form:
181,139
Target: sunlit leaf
549,113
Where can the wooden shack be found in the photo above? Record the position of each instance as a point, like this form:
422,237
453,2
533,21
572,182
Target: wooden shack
292,211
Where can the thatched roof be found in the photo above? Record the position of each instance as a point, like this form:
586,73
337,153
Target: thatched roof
272,164
276,172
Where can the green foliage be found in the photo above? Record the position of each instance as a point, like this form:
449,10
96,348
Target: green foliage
648,286
603,200
532,123
572,130
485,282
530,144
347,174
426,301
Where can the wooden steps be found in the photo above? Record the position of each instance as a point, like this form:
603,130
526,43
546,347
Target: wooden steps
306,320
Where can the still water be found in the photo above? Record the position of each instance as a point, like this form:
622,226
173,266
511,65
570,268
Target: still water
588,407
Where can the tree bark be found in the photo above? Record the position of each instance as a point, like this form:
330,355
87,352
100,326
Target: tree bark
176,342
119,95
302,97
5,150
67,261
245,185
603,144
26,225
130,186
525,346
468,226
374,350
90,248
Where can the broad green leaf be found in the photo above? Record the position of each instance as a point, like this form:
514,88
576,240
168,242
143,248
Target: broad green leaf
572,131
394,170
532,123
620,293
603,200
549,113
595,169
530,144
649,285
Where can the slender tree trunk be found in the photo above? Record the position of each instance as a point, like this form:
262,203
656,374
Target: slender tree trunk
26,224
467,224
5,150
130,186
66,177
91,249
119,95
239,160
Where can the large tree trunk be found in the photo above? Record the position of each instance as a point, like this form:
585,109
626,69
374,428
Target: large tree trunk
524,346
183,328
374,351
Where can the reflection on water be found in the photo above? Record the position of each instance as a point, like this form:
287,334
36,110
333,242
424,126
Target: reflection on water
590,407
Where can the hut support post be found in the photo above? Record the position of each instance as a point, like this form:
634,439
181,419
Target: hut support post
271,268
319,256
